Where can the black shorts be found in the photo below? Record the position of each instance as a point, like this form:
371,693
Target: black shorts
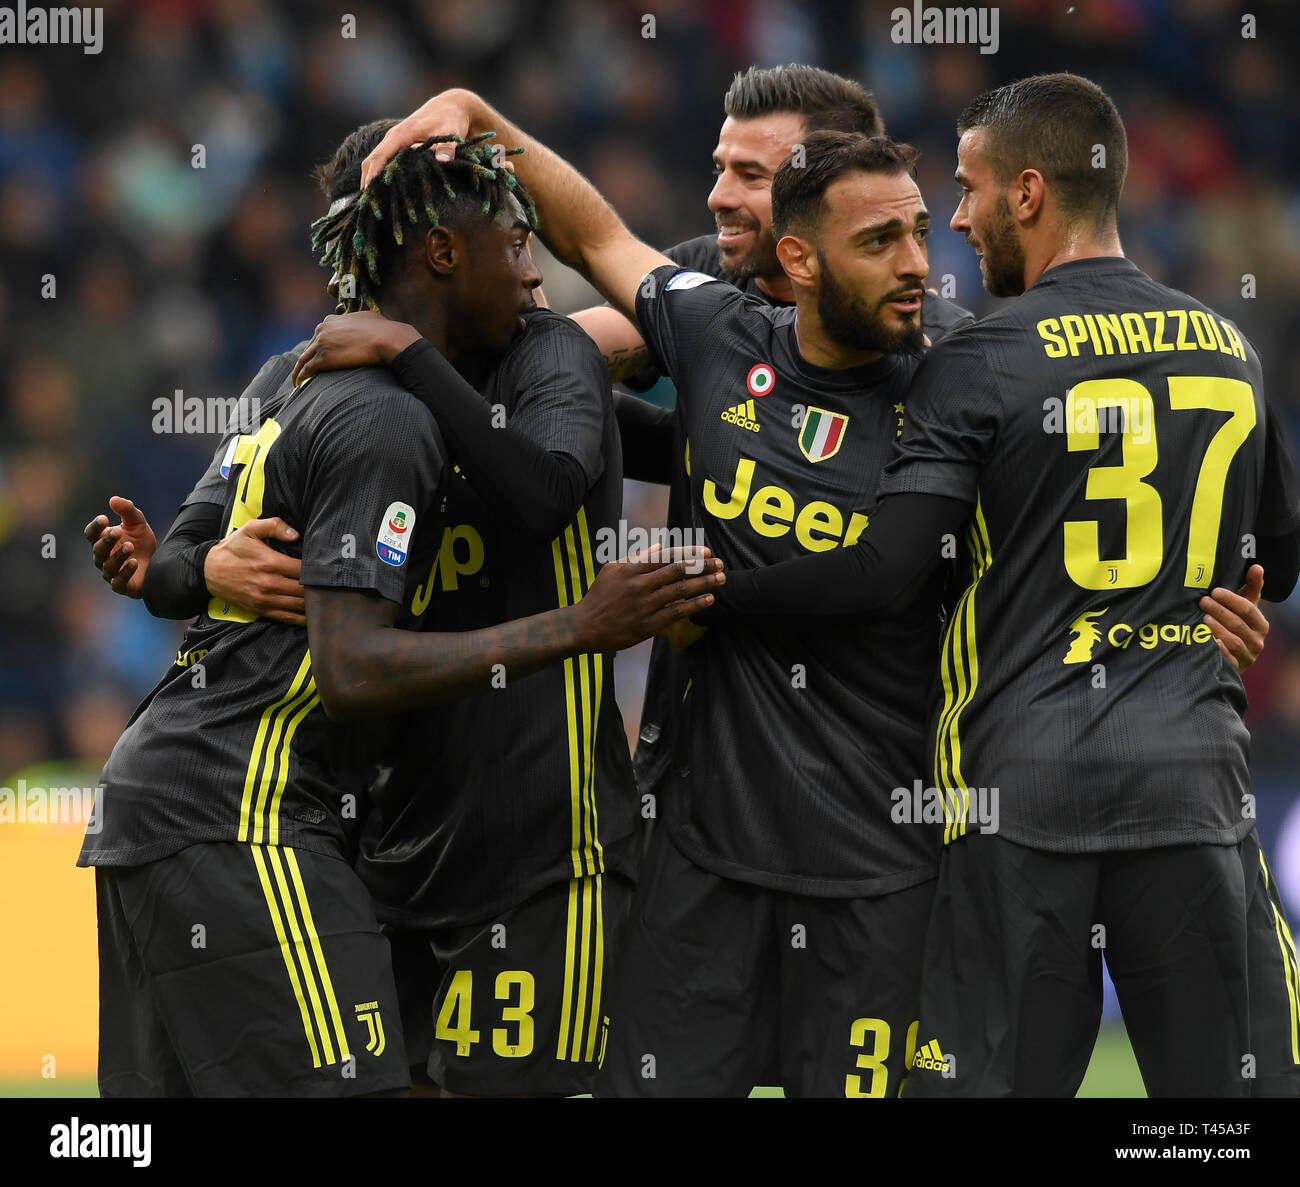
1274,981
513,1007
1011,986
244,970
724,985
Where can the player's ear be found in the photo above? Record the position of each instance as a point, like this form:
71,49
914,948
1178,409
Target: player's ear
443,250
1028,193
798,258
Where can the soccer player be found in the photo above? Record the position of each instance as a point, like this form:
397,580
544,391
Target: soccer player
779,915
768,111
540,455
239,952
501,849
1103,449
707,1012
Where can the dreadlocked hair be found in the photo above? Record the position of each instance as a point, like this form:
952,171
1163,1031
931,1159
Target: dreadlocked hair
363,239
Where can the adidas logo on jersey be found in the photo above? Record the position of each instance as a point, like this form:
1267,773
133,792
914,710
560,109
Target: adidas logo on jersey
929,1058
742,415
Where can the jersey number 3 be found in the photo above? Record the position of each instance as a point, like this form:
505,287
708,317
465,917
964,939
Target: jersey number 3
1144,529
250,454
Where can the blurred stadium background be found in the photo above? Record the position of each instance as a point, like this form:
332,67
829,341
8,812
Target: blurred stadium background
168,276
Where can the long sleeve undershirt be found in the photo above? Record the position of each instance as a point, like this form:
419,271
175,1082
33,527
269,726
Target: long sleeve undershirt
534,489
882,573
647,433
174,585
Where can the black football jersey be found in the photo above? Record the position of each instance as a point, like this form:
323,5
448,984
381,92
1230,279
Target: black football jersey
233,744
497,795
264,393
793,735
1112,438
666,677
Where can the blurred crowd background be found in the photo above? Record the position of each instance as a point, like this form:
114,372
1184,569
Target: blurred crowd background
166,276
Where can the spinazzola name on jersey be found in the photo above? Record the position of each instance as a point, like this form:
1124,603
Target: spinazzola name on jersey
1126,333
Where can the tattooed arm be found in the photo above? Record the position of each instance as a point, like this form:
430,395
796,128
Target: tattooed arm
616,338
645,429
364,666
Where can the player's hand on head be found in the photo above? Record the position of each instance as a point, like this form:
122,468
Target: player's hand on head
1236,621
645,594
122,552
361,339
446,114
246,571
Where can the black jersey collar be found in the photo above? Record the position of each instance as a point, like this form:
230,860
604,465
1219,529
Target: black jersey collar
848,379
1092,266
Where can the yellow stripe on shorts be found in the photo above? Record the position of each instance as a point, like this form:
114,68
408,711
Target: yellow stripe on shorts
584,958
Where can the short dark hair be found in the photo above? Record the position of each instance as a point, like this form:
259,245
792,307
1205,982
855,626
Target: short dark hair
1054,123
799,187
340,176
828,102
415,191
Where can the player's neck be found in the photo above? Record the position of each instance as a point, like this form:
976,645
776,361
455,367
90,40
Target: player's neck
1070,247
817,347
418,311
777,287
